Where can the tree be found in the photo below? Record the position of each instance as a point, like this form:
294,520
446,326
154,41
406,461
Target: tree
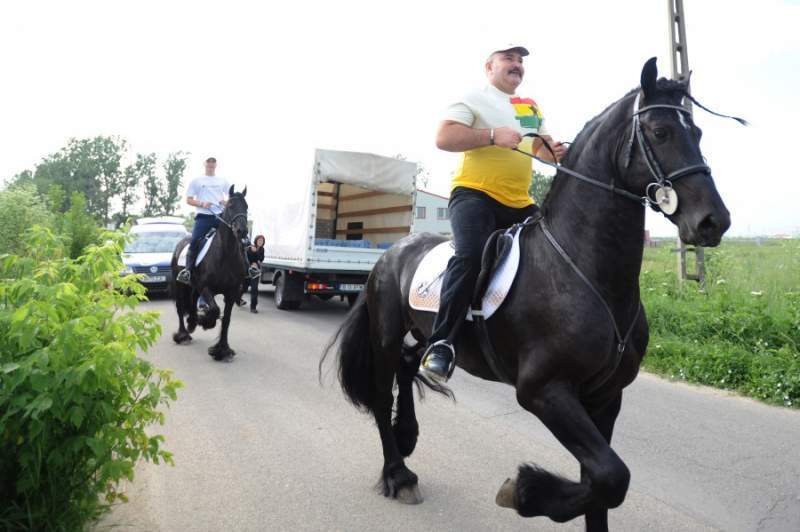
174,167
129,189
89,166
540,186
153,187
79,227
23,178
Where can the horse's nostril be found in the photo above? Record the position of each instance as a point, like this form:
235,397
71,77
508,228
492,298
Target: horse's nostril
708,224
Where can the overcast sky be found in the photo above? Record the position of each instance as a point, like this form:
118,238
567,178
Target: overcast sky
259,85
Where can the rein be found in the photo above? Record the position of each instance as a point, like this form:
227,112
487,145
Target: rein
230,224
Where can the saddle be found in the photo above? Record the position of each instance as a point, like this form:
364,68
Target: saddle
203,245
499,265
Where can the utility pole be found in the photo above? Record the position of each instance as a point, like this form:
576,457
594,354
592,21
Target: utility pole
679,58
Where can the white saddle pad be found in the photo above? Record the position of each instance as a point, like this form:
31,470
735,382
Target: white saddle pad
200,256
426,286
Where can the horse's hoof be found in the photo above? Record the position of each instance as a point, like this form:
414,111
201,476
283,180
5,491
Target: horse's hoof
505,496
181,338
221,354
410,495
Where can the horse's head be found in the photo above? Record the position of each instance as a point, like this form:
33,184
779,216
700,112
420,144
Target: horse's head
662,161
235,214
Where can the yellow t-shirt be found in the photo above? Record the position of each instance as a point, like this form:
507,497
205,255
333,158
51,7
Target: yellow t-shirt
503,174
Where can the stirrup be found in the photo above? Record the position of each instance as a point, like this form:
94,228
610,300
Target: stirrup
435,377
184,276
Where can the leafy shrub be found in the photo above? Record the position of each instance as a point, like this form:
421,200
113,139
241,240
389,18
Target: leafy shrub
79,227
21,208
75,400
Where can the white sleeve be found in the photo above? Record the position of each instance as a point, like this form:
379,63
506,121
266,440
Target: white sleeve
461,113
191,191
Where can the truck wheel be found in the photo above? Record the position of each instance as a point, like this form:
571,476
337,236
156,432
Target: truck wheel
284,299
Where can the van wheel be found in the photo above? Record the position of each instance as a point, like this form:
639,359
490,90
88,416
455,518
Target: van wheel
285,295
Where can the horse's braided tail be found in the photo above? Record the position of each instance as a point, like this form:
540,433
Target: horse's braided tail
355,356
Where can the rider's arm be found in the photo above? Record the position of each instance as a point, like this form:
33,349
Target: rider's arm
197,203
455,136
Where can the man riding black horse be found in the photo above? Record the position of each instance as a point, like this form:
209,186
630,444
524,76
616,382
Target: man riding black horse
490,188
208,194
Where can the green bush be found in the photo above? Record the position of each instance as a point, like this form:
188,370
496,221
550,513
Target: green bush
742,333
21,208
78,226
75,400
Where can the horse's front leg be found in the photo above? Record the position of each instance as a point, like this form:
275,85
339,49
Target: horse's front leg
604,419
221,351
605,477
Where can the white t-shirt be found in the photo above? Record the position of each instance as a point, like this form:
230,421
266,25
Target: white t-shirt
503,174
489,107
210,188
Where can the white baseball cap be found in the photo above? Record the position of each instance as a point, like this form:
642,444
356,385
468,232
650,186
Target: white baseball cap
509,46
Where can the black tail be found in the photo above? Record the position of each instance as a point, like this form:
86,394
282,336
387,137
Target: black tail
355,356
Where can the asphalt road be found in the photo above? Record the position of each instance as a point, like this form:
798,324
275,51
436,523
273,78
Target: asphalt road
260,445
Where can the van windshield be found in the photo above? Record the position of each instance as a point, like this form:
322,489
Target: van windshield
155,242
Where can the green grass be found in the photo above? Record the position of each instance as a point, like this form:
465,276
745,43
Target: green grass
742,333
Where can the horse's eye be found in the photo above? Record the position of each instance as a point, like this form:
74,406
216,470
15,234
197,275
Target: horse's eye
660,133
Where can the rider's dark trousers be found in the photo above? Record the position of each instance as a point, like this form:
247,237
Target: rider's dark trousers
474,216
202,223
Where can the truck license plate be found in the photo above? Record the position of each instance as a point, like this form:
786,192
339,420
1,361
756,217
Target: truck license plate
351,287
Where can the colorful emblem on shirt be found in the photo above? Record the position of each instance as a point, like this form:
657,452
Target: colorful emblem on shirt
528,113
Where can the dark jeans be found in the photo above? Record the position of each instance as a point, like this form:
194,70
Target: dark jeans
202,224
474,216
252,285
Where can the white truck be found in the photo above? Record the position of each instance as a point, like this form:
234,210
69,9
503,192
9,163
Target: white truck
323,238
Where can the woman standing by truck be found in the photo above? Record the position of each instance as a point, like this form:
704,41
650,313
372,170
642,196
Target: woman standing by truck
255,256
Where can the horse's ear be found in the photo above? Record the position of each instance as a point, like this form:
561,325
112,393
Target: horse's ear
244,192
649,76
230,191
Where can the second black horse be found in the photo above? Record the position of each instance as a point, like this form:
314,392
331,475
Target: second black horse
221,272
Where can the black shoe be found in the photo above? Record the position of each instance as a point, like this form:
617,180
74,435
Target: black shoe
254,311
241,302
438,362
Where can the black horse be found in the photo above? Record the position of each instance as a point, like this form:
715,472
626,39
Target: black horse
221,272
571,333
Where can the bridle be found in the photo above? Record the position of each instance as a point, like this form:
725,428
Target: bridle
659,192
229,223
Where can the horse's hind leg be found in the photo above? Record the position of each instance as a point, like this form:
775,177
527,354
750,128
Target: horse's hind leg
539,492
406,428
386,332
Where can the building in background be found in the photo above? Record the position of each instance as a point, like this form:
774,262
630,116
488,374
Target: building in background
432,214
